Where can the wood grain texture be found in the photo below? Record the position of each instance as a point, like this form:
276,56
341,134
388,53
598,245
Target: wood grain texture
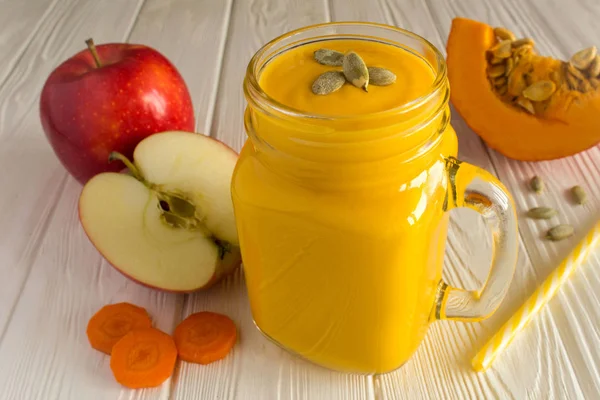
257,369
52,279
560,341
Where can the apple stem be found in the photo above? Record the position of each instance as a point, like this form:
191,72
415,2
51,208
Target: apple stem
92,47
114,155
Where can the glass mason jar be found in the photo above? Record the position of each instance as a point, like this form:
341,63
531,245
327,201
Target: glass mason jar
342,220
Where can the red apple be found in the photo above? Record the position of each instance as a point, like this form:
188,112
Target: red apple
169,223
108,98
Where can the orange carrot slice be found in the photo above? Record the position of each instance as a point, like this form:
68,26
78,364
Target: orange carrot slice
112,322
205,337
143,358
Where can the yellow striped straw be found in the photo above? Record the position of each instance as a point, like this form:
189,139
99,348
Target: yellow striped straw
536,301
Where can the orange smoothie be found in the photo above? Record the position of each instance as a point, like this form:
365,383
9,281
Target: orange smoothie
341,203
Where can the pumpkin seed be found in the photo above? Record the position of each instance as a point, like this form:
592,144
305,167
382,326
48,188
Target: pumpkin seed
502,49
526,104
540,90
381,76
502,90
595,83
496,71
516,84
536,184
328,82
560,232
329,57
555,76
594,69
523,42
504,34
496,60
509,66
579,194
575,72
583,58
523,51
585,86
572,81
355,70
542,213
500,81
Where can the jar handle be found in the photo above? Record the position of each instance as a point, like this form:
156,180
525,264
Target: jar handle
475,188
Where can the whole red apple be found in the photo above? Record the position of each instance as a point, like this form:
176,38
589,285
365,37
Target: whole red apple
108,98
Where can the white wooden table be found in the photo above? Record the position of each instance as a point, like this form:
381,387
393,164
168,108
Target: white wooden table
52,279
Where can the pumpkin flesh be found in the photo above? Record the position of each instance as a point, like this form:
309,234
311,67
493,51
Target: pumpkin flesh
565,124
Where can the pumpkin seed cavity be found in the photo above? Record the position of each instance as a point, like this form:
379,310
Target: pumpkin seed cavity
513,59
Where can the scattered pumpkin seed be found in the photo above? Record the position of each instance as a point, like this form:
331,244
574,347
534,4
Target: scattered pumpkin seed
504,34
526,104
555,76
560,232
523,42
594,68
328,82
329,57
540,90
502,49
595,83
579,194
381,76
575,72
502,90
542,213
501,81
356,70
510,63
583,58
536,184
496,61
496,71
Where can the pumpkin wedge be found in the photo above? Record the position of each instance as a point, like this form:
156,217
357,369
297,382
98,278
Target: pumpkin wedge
524,105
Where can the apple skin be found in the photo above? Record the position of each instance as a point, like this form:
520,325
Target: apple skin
88,111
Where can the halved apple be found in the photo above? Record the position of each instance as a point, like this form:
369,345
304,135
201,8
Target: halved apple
169,223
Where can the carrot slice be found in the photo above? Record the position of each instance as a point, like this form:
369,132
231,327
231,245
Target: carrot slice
143,358
205,337
112,322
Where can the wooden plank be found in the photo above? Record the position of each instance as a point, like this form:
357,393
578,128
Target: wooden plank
53,280
192,35
440,368
560,341
21,21
256,369
34,178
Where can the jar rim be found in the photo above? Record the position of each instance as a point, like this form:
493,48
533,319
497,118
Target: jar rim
256,95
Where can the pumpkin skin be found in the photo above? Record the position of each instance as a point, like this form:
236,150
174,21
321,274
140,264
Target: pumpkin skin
567,124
